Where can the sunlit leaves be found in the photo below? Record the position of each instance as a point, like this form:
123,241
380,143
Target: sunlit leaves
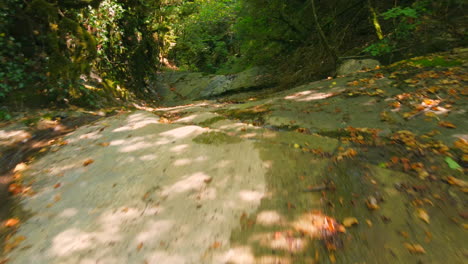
422,214
415,248
446,124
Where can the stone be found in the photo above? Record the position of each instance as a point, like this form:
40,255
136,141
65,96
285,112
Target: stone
352,66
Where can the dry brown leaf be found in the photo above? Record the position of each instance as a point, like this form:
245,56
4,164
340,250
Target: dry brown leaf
317,225
415,248
13,243
57,185
216,244
332,258
87,162
12,222
15,188
371,203
57,198
369,222
446,124
208,180
104,144
422,214
139,246
457,182
350,221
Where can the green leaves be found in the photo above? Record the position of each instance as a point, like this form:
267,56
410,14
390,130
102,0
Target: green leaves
400,12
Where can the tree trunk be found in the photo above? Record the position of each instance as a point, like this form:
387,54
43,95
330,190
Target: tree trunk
327,47
375,20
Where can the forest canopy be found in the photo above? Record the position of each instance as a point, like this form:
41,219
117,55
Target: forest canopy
53,51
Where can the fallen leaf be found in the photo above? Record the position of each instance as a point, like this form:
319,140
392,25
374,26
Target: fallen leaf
87,162
446,124
423,215
57,185
415,248
57,198
15,188
139,246
457,182
12,222
428,237
104,144
63,143
208,180
350,221
395,159
371,203
13,243
20,167
216,244
317,225
369,222
332,258
452,164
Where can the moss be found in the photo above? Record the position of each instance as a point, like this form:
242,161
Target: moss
253,113
211,121
216,138
436,62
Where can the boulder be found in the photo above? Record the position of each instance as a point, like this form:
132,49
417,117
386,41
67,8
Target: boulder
352,66
180,86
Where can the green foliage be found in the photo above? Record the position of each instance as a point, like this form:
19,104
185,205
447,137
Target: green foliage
44,51
398,12
15,73
205,36
407,21
412,27
127,40
4,114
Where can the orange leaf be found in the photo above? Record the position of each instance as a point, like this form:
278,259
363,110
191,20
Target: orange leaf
15,188
12,222
57,185
139,246
13,243
423,215
446,124
216,244
395,159
87,162
350,221
415,248
457,182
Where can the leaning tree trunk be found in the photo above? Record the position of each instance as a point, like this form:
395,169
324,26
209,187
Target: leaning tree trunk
375,21
327,47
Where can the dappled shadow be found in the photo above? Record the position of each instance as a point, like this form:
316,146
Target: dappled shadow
149,194
19,143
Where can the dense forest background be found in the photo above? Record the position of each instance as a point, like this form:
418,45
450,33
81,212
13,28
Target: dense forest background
92,52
